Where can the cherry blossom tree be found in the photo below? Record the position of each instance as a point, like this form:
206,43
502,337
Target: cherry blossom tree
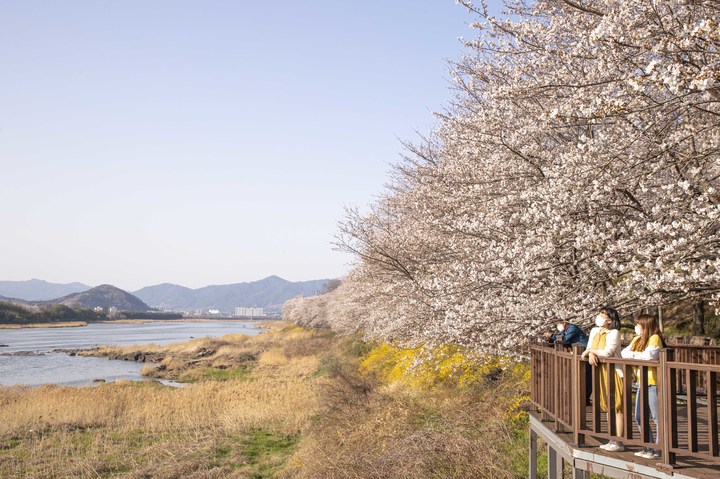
577,166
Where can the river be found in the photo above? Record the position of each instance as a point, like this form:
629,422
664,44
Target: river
39,365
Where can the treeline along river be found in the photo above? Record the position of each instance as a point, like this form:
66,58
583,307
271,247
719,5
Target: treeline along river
27,357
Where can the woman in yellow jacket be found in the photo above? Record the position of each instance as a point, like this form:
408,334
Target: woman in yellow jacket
646,346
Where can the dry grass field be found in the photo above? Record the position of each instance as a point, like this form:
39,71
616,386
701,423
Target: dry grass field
287,403
222,424
389,416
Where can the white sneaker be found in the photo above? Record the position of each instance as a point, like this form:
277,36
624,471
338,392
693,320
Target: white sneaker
649,454
614,447
605,446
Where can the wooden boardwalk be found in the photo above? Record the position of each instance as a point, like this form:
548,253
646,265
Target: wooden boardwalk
688,418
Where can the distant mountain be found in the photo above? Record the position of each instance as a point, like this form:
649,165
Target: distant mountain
269,293
39,290
104,296
167,296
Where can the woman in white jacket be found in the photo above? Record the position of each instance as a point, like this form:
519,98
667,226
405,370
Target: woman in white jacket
604,342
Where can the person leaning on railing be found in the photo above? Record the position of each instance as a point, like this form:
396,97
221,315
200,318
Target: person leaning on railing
646,346
568,334
605,343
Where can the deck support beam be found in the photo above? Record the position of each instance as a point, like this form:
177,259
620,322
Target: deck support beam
580,473
555,464
532,473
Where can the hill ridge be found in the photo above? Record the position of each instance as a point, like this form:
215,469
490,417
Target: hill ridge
39,290
105,296
269,293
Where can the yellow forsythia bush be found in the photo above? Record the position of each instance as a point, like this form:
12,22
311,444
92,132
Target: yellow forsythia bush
427,367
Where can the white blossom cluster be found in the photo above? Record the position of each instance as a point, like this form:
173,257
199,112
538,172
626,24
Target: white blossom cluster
578,166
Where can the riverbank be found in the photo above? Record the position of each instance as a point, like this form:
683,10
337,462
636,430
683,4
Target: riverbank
184,320
288,403
66,324
76,324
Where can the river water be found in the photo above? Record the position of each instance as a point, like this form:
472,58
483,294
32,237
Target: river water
39,365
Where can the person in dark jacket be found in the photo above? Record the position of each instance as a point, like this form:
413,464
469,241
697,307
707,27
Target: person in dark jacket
568,334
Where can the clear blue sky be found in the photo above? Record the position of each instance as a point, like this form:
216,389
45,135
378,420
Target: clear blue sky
205,142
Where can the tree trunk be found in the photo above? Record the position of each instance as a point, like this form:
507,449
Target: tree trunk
699,319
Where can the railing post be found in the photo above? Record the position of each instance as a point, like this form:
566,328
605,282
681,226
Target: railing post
533,373
610,381
644,391
627,401
668,419
692,407
595,396
578,396
712,413
543,386
556,387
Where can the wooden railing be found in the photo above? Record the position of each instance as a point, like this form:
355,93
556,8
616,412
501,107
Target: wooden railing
685,353
687,378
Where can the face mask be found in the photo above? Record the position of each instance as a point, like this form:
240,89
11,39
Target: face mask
561,328
600,320
638,330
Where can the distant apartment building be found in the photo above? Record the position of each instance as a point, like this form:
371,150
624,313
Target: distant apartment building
249,312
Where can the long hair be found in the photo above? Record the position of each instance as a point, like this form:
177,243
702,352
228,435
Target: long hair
613,315
649,326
